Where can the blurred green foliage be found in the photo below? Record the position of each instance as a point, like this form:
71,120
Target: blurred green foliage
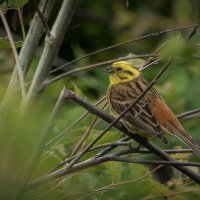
95,25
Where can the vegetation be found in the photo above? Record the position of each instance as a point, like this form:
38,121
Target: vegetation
50,146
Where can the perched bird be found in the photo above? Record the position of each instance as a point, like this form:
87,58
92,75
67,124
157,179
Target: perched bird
151,115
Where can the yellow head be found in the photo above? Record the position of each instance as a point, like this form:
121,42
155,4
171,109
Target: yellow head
121,72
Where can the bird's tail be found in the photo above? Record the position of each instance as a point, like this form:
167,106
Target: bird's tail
182,134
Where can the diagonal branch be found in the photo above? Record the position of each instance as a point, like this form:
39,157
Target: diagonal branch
124,43
152,148
153,82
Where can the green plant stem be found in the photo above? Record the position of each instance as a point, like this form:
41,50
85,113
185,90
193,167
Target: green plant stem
52,45
29,46
18,64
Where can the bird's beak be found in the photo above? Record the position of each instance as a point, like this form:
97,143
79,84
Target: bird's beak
108,69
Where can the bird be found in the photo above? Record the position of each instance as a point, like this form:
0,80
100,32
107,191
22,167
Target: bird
150,116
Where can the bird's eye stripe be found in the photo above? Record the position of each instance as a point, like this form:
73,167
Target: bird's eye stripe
118,68
129,72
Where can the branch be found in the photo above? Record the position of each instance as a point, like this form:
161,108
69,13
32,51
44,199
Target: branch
189,114
112,157
29,46
114,186
70,94
86,134
51,48
50,81
166,163
127,42
154,149
63,133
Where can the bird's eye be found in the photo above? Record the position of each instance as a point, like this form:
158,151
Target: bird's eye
118,68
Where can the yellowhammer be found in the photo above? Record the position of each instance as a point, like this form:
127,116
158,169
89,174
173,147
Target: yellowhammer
150,115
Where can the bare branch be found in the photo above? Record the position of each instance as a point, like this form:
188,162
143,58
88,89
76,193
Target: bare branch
127,42
29,46
77,70
94,110
86,134
189,114
51,49
63,133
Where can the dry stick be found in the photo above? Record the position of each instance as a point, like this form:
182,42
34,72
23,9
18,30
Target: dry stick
149,60
113,157
86,134
48,82
193,32
115,144
154,149
149,162
123,43
149,64
70,94
19,68
108,149
169,151
189,114
63,133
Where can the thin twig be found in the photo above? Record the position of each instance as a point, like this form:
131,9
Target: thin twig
112,157
29,47
153,82
124,43
149,60
40,14
21,23
154,149
86,134
77,70
115,144
63,133
193,32
144,67
149,162
189,114
50,50
114,186
108,149
19,68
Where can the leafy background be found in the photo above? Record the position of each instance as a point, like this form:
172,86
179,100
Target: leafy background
95,25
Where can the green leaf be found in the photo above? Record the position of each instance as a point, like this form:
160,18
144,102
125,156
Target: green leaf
5,44
17,3
77,90
137,62
115,171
